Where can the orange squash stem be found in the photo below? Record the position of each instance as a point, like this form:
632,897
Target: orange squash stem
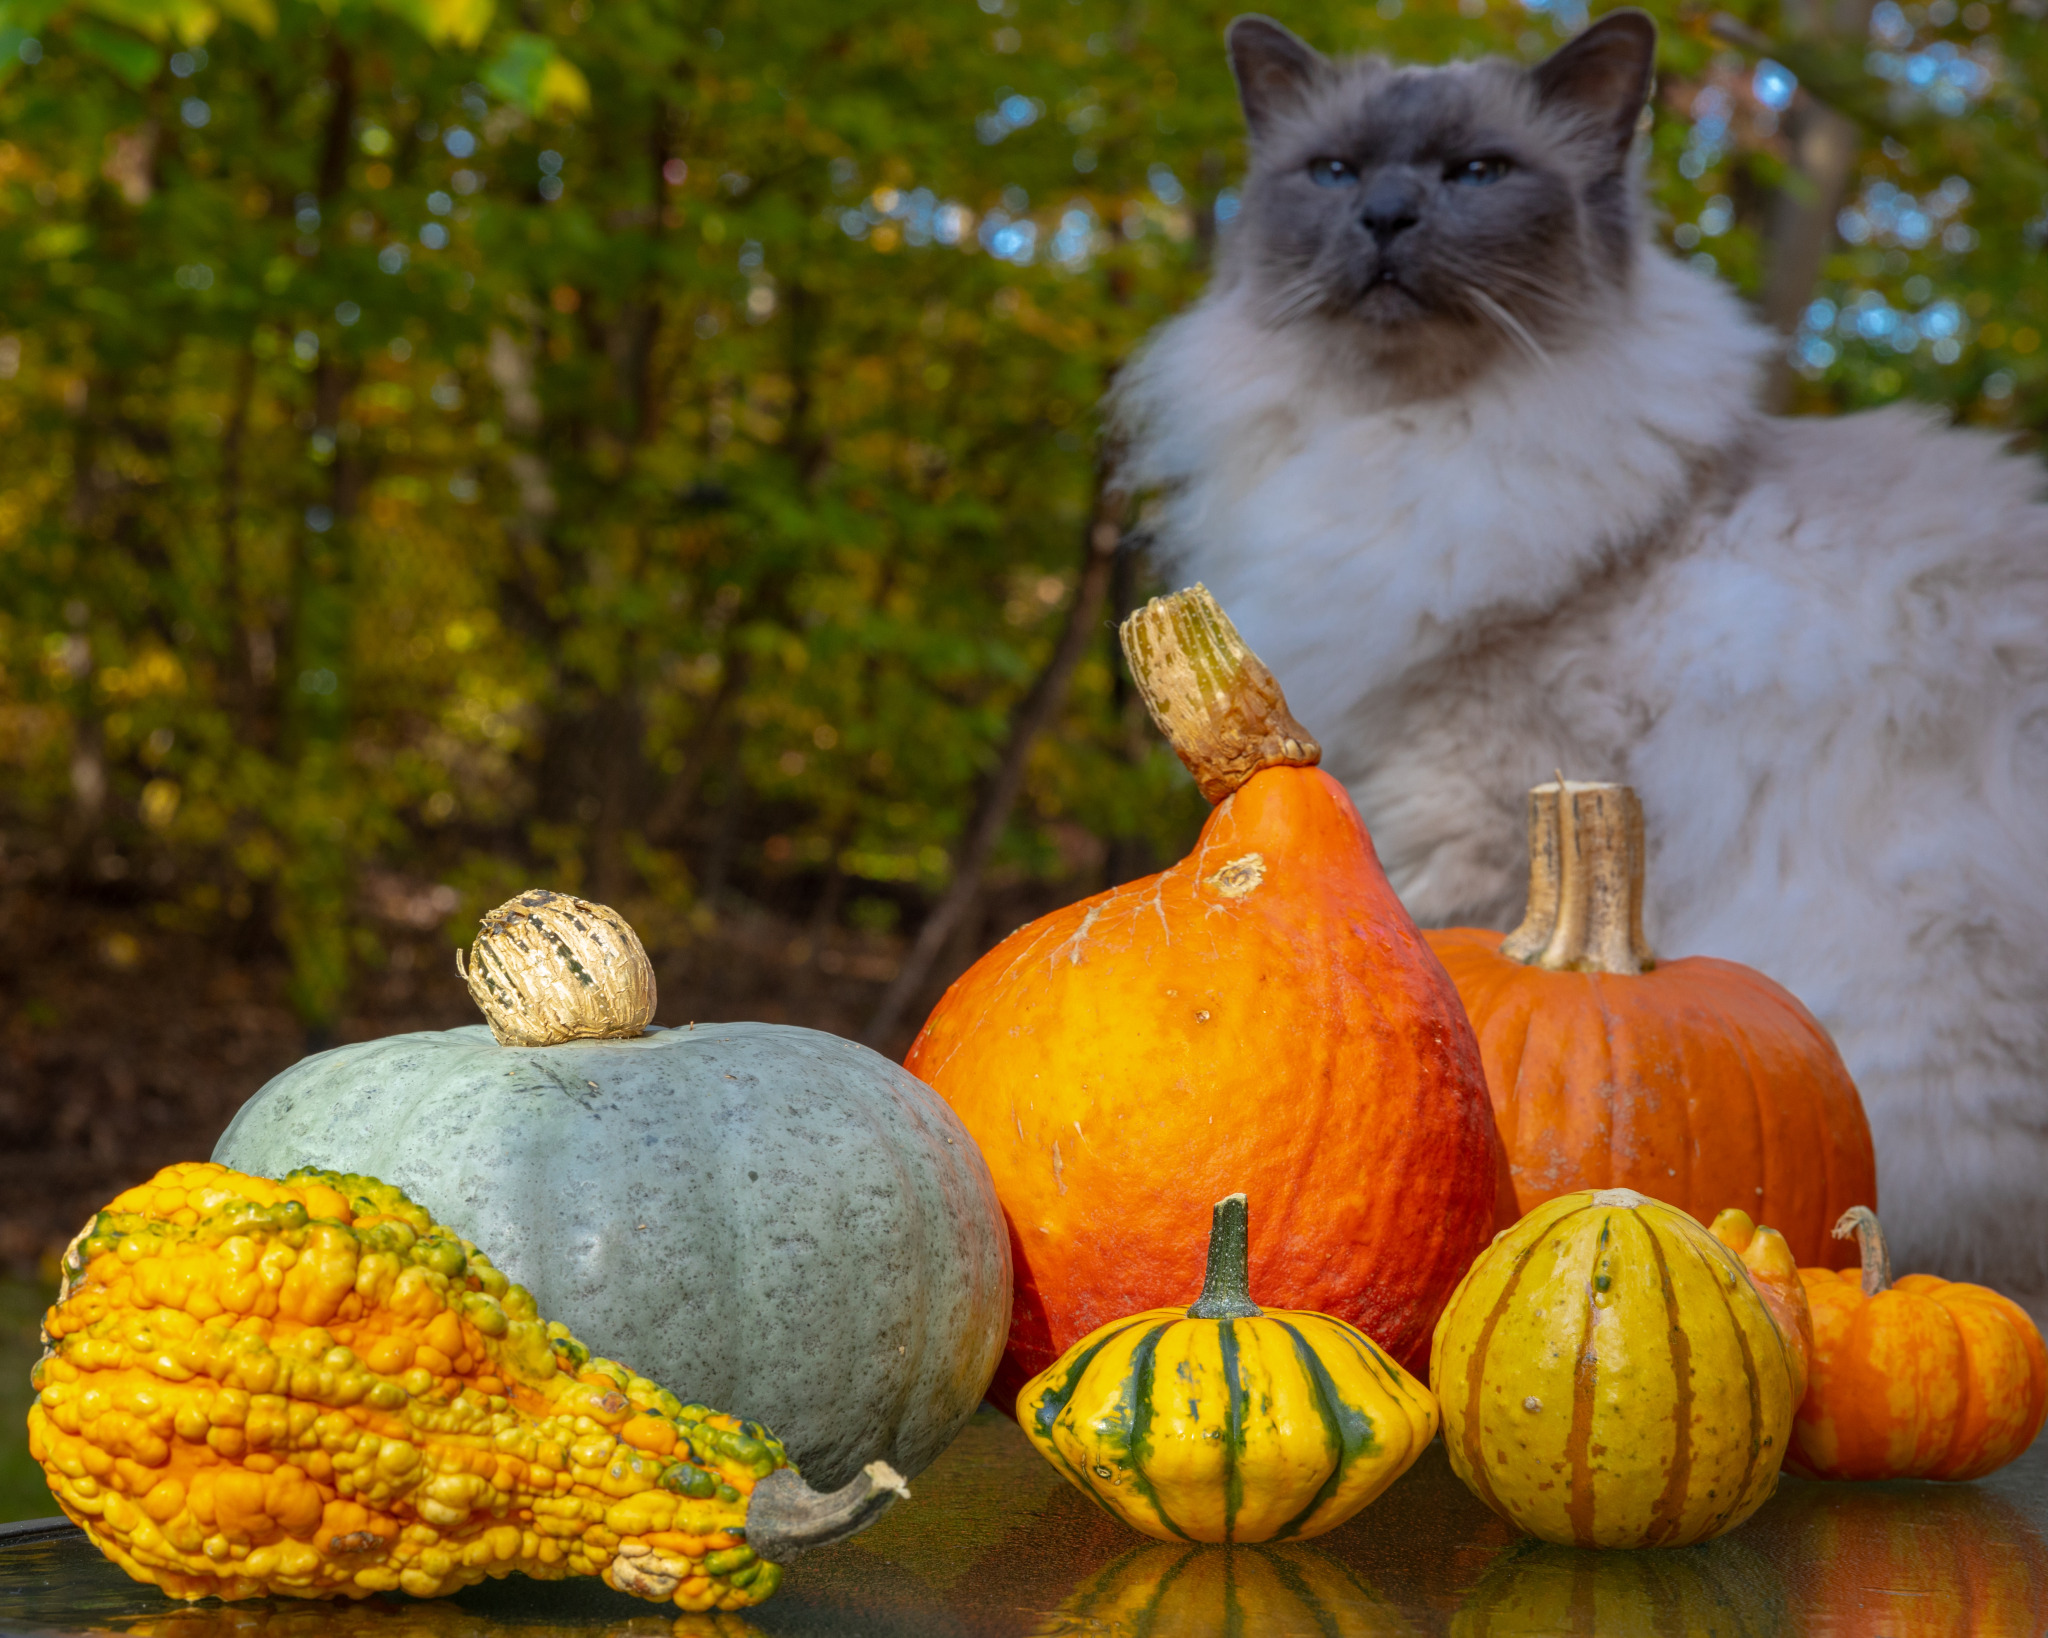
1861,1223
1213,698
1585,881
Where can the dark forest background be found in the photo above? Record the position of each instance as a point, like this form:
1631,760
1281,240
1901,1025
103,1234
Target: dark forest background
650,450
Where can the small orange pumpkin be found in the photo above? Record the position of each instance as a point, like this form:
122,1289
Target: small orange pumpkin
1697,1082
1921,1378
1262,1016
1775,1273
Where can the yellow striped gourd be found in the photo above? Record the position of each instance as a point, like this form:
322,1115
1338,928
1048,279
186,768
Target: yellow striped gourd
1256,1592
1610,1377
1223,1422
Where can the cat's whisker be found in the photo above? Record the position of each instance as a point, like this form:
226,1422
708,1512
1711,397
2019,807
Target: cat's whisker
1498,280
1303,296
1512,327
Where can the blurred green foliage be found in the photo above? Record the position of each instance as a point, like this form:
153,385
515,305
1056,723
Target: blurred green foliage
645,449
23,1494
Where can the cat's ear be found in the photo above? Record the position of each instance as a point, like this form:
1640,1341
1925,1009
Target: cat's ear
1274,68
1604,74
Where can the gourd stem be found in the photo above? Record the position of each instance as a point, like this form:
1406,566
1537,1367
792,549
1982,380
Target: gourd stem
1227,1286
785,1516
547,968
1216,703
1861,1222
1585,881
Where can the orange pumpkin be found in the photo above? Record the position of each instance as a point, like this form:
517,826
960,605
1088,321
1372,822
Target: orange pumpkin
1921,1378
1697,1082
1775,1273
1263,1016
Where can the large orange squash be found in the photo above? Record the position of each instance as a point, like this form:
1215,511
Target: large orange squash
1921,1378
1263,1016
1698,1082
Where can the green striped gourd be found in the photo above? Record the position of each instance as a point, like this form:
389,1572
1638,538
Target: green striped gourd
1610,1377
1224,1422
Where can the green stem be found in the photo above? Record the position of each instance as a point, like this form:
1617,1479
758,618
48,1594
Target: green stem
1861,1221
1227,1287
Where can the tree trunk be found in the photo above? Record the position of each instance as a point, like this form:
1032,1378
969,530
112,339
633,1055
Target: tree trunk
1825,146
1033,715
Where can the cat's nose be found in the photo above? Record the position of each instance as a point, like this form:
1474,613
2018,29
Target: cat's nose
1391,206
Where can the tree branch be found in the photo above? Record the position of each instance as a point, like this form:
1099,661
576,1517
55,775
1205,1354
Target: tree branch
1033,715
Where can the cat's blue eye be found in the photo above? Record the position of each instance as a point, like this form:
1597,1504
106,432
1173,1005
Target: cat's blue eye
1331,173
1477,172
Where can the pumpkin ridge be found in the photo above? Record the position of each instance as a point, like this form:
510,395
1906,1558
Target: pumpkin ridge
1330,1407
1045,1440
1521,1061
1749,1377
1669,1510
1137,1393
1578,1444
1965,1428
1056,1396
1985,1307
1613,1020
1234,1399
1371,1356
1475,1366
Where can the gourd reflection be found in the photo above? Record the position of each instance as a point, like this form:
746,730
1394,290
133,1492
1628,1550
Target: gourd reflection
1192,1592
1535,1590
429,1618
1910,1560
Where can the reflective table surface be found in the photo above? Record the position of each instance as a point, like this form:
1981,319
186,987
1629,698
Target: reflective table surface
994,1542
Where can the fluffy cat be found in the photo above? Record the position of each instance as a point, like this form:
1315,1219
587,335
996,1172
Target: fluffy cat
1481,473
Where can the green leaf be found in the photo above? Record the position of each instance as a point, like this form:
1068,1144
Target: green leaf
190,20
531,73
28,15
136,61
445,22
57,241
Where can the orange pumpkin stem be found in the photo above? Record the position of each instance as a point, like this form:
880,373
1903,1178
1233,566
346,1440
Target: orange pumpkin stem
1213,698
1861,1221
1585,881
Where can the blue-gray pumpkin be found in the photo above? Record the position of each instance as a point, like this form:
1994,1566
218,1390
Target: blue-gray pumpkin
768,1219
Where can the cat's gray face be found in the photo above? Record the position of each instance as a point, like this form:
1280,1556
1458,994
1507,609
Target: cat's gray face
1431,219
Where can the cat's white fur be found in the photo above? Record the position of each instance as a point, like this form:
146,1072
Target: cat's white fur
1818,649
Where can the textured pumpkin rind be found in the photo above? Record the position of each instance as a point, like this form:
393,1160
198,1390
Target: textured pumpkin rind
1609,1377
309,1388
712,1203
1701,1082
1931,1379
1228,1430
1262,1016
